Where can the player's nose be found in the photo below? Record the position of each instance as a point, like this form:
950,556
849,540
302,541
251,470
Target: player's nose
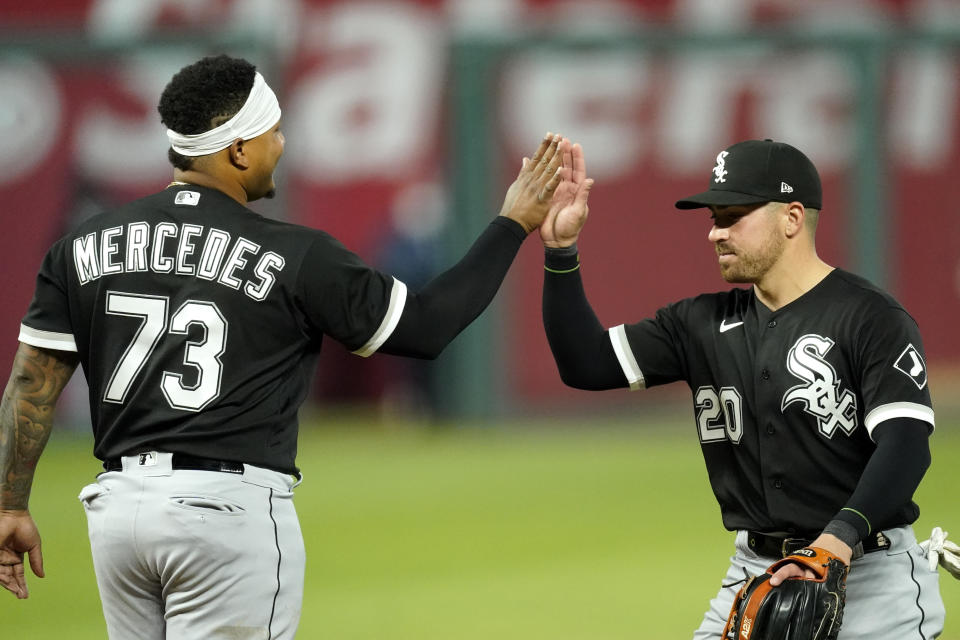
717,234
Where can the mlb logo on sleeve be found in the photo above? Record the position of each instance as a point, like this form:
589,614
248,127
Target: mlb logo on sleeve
911,364
187,198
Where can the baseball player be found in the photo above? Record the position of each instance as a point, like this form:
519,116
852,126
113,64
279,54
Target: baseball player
809,389
197,323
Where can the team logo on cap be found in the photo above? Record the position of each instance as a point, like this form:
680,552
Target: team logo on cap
911,363
721,169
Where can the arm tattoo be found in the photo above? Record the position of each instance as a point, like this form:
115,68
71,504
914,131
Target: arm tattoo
26,417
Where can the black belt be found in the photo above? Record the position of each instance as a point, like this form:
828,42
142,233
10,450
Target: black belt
774,546
183,461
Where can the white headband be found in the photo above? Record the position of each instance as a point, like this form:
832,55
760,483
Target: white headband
260,112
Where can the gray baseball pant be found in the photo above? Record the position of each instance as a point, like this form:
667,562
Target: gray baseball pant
195,555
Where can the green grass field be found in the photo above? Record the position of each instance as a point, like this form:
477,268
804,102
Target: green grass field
529,531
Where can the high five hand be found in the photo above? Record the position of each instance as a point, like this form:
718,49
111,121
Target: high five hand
528,198
568,211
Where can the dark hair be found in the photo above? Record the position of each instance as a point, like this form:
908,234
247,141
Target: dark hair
209,90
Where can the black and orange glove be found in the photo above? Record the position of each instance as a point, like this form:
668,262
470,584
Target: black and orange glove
799,608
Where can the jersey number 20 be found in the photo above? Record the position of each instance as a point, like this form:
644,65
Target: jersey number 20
203,355
719,414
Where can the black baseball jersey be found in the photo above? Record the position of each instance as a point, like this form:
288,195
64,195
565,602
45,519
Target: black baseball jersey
785,402
197,322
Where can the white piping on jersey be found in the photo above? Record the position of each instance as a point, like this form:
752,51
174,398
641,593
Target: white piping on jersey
398,298
621,346
47,339
898,410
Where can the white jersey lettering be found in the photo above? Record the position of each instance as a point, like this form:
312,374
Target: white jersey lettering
186,248
85,258
141,246
138,242
109,249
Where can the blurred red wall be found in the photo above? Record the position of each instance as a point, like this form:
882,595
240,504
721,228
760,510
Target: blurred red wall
365,89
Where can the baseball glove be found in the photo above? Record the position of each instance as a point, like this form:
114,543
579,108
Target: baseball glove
799,608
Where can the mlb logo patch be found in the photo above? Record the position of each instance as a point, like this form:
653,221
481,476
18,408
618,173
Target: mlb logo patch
148,459
911,364
187,198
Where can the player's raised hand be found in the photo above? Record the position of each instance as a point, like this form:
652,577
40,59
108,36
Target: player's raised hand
568,210
528,198
18,535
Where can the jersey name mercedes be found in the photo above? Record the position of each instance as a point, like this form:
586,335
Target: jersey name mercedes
182,249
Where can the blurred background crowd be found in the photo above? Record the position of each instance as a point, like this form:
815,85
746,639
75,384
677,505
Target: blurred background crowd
405,121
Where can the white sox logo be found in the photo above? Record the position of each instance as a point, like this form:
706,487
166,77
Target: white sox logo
911,364
821,394
721,170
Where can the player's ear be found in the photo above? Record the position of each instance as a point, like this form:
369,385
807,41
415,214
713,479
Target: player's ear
238,155
795,214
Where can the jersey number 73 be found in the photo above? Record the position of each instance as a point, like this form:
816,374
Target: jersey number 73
203,355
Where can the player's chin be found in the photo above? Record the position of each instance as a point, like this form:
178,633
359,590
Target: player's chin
733,276
271,187
266,191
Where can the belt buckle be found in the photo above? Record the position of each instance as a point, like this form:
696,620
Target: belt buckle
230,467
787,542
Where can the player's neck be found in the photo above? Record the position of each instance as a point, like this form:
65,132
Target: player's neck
213,181
790,279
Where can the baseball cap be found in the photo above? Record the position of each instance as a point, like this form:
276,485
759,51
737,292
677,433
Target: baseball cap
757,171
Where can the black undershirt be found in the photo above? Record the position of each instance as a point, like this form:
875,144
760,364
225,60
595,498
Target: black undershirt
580,345
433,316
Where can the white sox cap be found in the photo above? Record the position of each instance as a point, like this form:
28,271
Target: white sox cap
756,171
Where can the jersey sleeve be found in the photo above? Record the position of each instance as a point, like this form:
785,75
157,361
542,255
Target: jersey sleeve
346,299
650,352
893,369
47,323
